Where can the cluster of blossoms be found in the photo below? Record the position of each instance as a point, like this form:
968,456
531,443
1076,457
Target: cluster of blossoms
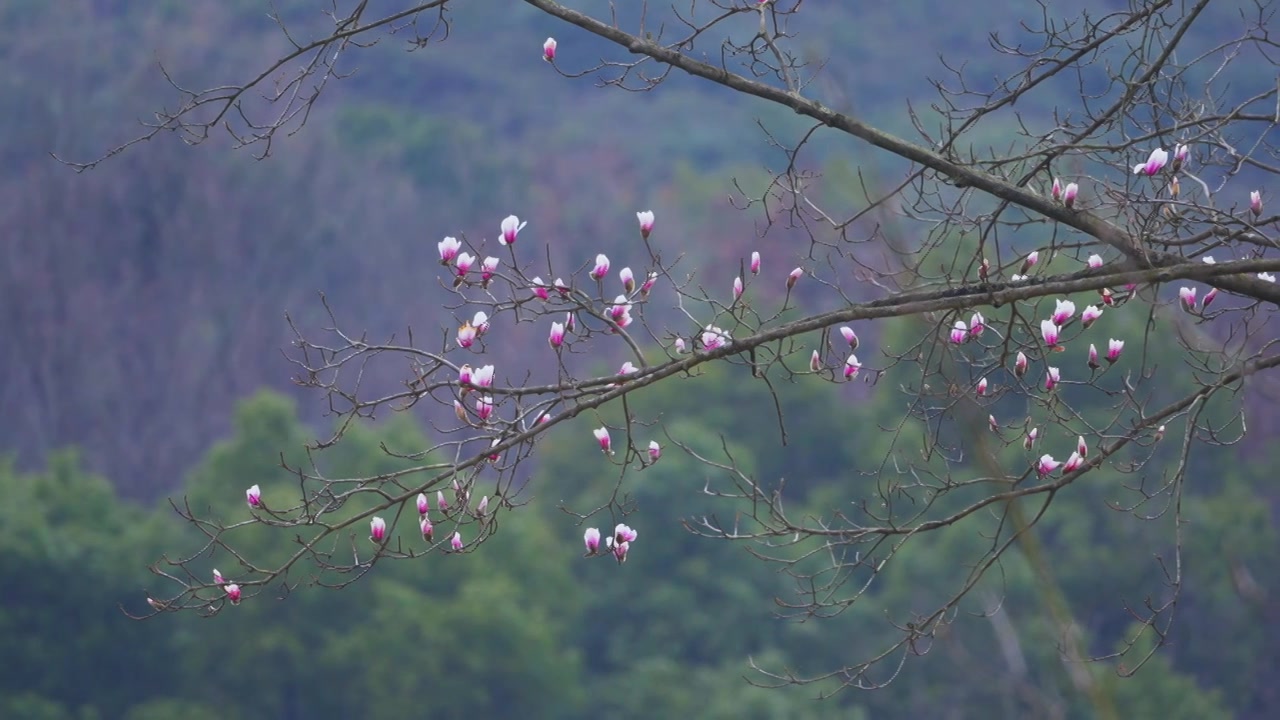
617,544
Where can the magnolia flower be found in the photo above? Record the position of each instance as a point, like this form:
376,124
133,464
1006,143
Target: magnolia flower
233,593
1046,465
487,269
511,226
466,335
561,287
441,503
620,312
645,218
448,248
602,267
481,322
623,533
539,288
1155,162
546,417
1255,203
1032,258
982,387
755,263
1049,329
959,332
1093,357
851,367
217,577
680,347
1095,261
628,279
628,368
253,496
1051,379
1073,463
549,50
1107,298
991,421
483,377
1180,154
465,260
455,542
460,411
602,437
793,277
1090,315
1208,297
847,333
1063,312
483,506
428,530
377,529
423,505
815,362
591,538
1056,191
569,321
655,451
484,408
737,288
984,269
557,335
977,324
648,284
713,337
1020,364
1114,348
1188,297
620,551
1030,439
1069,195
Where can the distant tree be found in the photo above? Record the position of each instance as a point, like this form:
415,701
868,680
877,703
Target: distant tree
1016,237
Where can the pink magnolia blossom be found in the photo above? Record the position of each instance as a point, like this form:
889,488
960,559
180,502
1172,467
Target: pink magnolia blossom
1063,312
484,408
628,280
423,506
713,338
1209,297
655,451
481,321
815,362
483,506
623,533
483,376
620,312
984,270
1180,154
1255,203
1082,447
737,288
959,332
428,530
1187,295
1107,298
455,542
1095,261
991,422
680,346
645,218
1090,315
1056,191
982,387
602,267
253,496
539,288
977,324
464,375
377,529
448,248
561,287
1020,364
465,260
851,367
546,417
441,504
1046,465
233,593
549,50
1114,348
460,411
1049,330
648,284
1069,195
849,336
628,368
488,268
466,335
591,539
1154,164
1030,261
1093,357
1051,379
217,578
511,227
793,277
602,437
755,263
1030,440
557,335
620,551
569,322
1073,463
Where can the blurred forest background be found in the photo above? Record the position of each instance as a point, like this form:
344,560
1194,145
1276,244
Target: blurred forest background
143,320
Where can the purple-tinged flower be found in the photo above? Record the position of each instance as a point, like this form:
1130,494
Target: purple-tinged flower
428,530
1056,191
620,312
655,451
1030,261
539,288
645,219
602,267
561,287
569,322
591,538
441,504
648,284
959,332
793,277
483,506
1095,261
1073,463
423,506
557,335
465,261
991,422
1082,447
1209,297
253,496
977,324
628,280
233,593
623,533
1187,295
511,226
483,376
1255,203
982,387
755,263
602,437
851,367
849,336
488,267
1180,154
713,338
1051,379
1093,357
737,288
456,542
484,408
1049,330
1063,312
628,368
1030,440
481,322
549,50
815,362
1154,164
1069,195
377,530
620,551
1090,315
1046,465
448,248
466,335
1020,364
217,578
1114,348
680,346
